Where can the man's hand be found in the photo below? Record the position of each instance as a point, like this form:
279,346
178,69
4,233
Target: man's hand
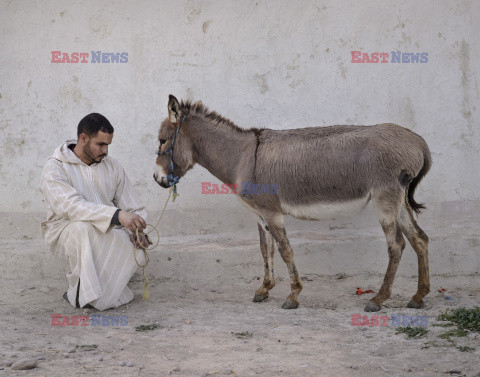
131,221
143,241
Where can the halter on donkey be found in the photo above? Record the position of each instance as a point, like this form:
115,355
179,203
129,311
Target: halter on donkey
321,172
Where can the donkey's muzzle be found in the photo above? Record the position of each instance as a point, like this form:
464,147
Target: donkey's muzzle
162,181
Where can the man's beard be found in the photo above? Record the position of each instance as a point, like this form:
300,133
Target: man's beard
87,152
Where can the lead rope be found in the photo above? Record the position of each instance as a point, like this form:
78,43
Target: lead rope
146,293
172,182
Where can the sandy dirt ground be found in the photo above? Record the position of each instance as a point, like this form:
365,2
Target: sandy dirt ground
207,324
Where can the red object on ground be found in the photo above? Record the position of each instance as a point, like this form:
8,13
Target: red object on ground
442,290
361,291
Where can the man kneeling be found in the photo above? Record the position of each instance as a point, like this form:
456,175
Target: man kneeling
89,199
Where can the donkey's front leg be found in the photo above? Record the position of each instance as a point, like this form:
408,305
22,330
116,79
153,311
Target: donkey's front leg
286,251
268,248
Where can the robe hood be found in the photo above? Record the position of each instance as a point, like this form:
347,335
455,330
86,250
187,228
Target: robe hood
65,154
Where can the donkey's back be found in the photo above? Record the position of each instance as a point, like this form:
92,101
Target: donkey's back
326,166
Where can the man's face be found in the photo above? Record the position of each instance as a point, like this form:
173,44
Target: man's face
96,147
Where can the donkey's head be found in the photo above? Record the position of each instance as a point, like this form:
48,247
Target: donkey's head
175,152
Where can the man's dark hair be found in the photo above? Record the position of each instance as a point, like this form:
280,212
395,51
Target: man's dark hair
92,123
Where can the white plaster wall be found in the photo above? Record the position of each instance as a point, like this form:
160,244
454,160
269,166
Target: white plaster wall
277,64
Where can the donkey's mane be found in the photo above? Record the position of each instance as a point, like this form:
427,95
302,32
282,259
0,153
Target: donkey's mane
202,111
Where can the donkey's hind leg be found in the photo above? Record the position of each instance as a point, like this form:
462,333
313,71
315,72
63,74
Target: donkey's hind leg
419,241
268,248
280,236
387,205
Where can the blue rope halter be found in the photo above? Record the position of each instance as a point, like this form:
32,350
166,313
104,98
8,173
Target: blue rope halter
172,180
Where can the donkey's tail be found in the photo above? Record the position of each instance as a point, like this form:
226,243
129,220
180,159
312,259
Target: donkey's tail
427,162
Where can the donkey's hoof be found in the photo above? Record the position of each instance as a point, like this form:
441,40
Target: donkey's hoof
289,304
372,307
260,298
414,305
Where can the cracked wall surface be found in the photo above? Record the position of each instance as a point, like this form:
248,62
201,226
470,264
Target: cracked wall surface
279,65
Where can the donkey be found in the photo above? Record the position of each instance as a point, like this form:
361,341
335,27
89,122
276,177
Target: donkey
321,173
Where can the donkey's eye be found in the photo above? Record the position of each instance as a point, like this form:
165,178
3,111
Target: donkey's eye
162,141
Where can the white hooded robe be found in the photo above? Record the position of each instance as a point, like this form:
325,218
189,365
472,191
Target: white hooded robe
82,200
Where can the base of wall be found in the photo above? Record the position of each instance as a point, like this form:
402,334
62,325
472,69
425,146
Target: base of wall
223,244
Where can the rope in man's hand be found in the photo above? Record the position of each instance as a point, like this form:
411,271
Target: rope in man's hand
138,238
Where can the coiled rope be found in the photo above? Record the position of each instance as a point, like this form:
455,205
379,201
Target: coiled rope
146,293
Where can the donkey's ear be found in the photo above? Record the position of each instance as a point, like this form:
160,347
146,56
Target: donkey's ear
173,109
